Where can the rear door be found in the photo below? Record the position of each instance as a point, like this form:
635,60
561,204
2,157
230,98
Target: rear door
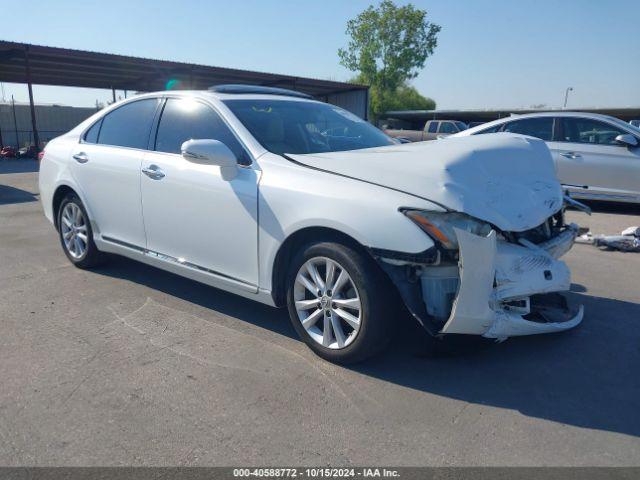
593,163
106,166
191,214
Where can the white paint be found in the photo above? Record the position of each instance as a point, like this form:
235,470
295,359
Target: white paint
471,313
193,213
508,324
227,233
507,180
519,272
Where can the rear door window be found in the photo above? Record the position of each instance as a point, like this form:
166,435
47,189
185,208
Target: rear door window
92,134
129,125
539,127
433,127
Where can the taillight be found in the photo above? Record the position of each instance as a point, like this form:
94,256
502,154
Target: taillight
40,155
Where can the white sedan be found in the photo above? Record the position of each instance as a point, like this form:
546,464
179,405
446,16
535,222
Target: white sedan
597,157
289,201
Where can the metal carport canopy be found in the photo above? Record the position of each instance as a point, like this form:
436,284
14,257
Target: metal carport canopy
42,65
81,68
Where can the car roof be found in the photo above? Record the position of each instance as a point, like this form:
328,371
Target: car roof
209,94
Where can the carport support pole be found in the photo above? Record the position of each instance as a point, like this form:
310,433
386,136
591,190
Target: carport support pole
34,127
15,122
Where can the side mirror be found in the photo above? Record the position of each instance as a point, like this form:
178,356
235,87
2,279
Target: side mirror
211,152
627,139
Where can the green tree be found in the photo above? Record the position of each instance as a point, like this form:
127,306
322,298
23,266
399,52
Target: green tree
389,45
407,97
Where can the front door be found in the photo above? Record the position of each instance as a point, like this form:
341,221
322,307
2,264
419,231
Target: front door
594,164
193,216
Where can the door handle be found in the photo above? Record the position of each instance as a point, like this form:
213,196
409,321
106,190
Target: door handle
154,172
571,155
81,157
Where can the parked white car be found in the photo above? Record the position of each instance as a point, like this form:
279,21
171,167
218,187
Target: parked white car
290,201
596,157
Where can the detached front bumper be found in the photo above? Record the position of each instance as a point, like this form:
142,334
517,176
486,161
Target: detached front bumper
506,290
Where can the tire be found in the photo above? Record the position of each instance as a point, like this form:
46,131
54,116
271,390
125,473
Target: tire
366,283
72,210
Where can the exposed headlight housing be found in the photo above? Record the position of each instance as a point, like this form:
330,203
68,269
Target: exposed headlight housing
439,225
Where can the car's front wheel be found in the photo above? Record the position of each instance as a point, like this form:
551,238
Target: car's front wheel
338,301
76,235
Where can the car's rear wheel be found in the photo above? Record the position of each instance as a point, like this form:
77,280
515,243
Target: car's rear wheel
76,236
338,302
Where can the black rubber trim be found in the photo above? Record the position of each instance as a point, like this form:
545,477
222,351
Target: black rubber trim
428,256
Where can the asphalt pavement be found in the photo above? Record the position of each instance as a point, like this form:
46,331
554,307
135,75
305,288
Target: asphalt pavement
130,365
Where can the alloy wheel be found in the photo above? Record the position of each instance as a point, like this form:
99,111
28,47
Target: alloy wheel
327,302
73,227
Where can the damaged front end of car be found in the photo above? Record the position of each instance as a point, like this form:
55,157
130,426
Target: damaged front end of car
480,280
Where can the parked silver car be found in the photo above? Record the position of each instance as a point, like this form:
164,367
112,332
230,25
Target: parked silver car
597,157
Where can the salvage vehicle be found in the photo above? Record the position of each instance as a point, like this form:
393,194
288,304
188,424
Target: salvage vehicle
597,157
285,200
432,130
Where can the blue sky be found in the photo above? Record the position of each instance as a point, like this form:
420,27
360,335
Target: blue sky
491,53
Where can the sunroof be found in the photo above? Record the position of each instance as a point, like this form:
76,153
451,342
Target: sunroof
256,89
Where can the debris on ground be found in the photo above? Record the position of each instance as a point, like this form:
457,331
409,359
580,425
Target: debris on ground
627,241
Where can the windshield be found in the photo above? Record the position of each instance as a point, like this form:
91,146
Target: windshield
461,126
289,126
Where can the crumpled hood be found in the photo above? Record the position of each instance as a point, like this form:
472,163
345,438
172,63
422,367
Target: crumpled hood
506,179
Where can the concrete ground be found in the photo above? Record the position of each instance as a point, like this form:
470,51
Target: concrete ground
129,365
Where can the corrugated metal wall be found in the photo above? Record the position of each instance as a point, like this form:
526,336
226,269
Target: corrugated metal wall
356,101
52,121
